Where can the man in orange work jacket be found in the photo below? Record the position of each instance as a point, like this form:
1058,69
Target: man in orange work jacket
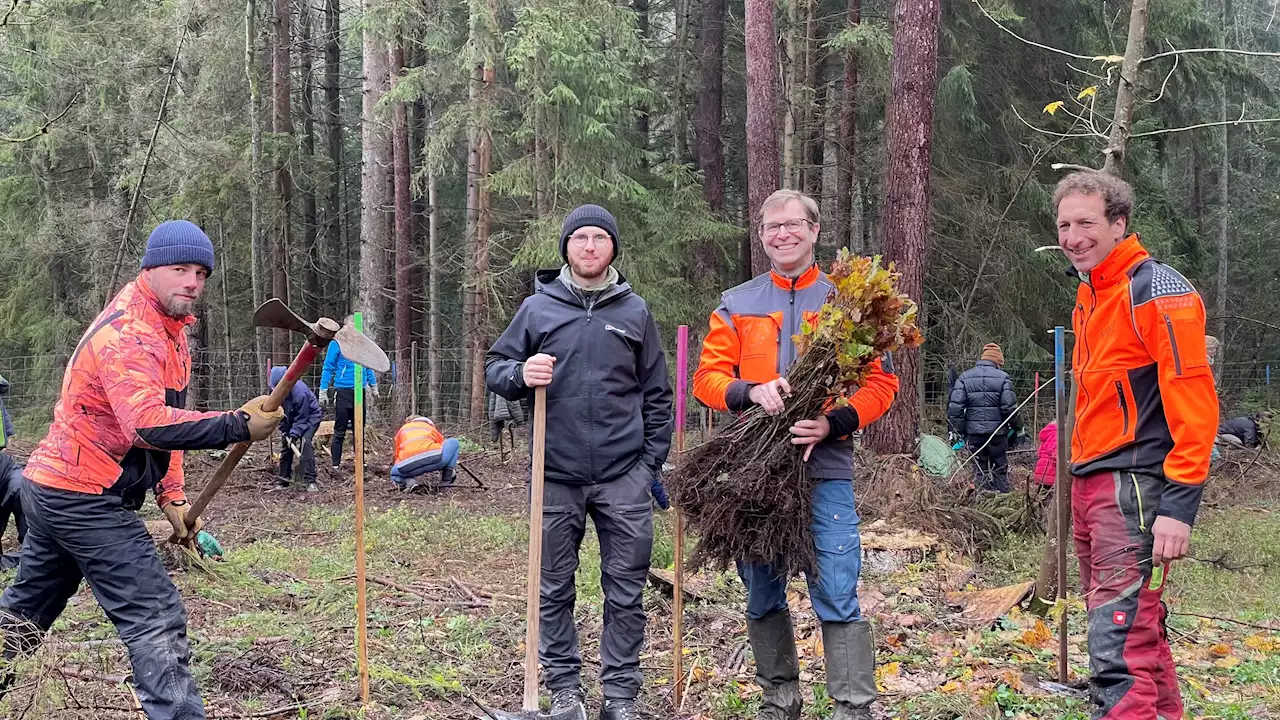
421,448
1145,421
118,430
747,350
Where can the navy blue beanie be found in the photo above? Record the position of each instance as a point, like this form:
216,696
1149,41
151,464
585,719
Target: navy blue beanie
178,242
588,216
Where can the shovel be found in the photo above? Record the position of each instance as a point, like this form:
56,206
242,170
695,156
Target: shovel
530,709
273,313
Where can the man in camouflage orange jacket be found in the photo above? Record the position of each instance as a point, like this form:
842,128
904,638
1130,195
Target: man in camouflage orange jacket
744,357
118,430
1145,422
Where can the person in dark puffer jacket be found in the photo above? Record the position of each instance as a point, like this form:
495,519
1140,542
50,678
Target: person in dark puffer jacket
982,399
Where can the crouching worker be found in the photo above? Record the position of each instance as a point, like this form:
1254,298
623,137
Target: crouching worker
420,449
118,431
297,430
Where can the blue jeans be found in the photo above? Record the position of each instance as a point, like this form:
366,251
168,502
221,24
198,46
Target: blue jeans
834,593
445,457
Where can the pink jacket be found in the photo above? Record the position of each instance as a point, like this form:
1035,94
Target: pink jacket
1047,458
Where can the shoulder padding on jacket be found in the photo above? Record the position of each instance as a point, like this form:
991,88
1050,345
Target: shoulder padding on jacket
1153,279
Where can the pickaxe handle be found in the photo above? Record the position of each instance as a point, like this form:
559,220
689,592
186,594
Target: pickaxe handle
291,376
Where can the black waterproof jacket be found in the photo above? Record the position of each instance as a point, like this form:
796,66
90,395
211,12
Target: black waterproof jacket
1243,427
981,399
609,402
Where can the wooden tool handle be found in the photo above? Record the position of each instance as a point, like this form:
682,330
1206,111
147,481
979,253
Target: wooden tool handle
533,598
291,376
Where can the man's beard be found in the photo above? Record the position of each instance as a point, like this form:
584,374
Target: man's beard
175,308
581,271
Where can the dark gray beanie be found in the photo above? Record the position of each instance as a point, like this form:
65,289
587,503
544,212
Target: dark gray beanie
178,242
588,216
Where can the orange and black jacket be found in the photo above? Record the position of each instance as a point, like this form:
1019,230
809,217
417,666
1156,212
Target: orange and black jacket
750,342
1145,400
419,436
119,426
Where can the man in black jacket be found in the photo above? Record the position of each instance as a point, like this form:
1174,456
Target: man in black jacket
982,400
593,342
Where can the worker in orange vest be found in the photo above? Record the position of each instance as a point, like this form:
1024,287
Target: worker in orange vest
421,448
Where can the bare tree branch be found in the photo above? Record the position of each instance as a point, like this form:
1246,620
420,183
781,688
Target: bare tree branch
1165,84
1201,51
1033,43
1092,133
13,8
44,129
1238,121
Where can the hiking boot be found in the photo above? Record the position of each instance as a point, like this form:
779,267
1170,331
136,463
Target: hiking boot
620,709
851,668
313,487
773,642
281,483
446,477
566,699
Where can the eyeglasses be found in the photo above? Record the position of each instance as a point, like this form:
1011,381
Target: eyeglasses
581,240
792,226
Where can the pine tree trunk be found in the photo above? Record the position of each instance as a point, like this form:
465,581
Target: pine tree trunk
480,305
762,118
1125,96
310,271
817,95
281,125
846,143
641,9
335,254
404,240
433,297
374,176
1224,213
470,276
791,90
257,242
710,52
907,221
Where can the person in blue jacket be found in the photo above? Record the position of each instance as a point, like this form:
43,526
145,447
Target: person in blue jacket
298,428
340,375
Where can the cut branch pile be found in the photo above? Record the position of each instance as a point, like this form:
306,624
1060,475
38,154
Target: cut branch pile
745,492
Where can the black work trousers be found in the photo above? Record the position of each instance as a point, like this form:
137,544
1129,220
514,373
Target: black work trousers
306,463
990,464
73,536
623,515
344,416
11,483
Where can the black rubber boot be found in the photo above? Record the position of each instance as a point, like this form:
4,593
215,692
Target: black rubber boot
851,668
773,642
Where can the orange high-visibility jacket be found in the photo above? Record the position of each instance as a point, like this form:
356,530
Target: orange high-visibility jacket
750,342
119,426
416,437
1145,395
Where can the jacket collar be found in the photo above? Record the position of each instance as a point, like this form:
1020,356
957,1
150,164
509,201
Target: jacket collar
1117,264
799,282
173,326
986,363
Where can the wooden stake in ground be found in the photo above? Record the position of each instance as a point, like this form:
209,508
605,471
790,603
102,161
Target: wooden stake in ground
1060,487
362,631
677,617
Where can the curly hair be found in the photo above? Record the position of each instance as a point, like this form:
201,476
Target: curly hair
1116,193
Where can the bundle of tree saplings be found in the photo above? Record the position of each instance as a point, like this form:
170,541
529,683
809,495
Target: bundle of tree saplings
745,492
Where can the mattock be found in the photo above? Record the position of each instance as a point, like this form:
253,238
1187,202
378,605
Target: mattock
355,346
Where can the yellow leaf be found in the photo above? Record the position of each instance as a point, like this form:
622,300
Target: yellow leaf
1221,649
892,669
1052,107
1088,92
1227,662
1109,59
951,687
1039,636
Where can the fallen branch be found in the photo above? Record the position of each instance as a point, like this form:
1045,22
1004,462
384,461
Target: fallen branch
1228,620
1220,563
88,676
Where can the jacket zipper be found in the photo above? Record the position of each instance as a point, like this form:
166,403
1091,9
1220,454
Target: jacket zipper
1173,342
791,329
1142,525
1124,407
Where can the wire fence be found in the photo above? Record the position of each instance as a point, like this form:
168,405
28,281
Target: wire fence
224,379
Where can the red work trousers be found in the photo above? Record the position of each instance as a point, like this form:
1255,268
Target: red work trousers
1132,673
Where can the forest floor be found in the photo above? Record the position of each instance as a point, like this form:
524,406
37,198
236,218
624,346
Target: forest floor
272,627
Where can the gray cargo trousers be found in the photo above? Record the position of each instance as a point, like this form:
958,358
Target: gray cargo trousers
623,517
